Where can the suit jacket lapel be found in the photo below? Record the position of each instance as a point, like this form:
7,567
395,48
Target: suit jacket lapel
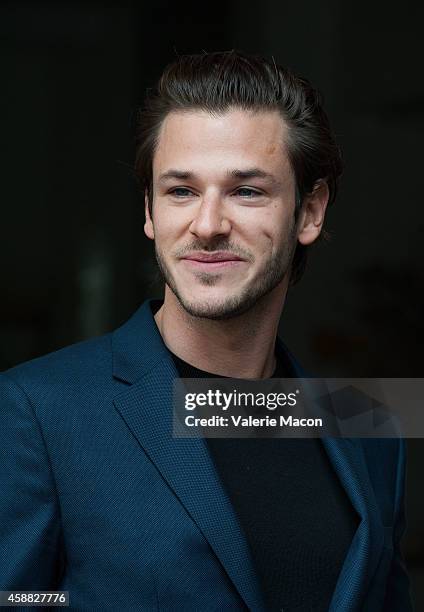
185,464
347,459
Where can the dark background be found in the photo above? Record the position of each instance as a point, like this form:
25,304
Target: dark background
75,262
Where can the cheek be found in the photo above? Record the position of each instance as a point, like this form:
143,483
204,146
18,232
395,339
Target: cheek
259,240
169,223
164,227
277,234
274,220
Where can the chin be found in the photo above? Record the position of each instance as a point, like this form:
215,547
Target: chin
215,308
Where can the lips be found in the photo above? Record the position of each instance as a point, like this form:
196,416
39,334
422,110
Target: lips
217,257
207,262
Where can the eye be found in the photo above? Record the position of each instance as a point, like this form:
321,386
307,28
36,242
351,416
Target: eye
247,192
180,192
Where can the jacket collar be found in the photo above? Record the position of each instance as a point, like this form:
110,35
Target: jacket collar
137,346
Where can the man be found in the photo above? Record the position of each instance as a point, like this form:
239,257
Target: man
238,164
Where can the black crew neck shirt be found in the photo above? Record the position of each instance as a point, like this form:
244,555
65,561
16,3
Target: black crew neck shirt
296,516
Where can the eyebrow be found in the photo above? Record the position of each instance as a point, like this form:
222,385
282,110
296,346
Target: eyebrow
183,175
247,173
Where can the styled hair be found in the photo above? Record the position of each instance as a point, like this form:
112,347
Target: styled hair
217,82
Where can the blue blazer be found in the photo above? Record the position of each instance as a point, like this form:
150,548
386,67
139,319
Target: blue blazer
98,498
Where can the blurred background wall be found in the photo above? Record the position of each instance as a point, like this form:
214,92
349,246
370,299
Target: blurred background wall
75,262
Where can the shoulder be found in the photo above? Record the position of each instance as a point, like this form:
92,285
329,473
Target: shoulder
90,372
79,363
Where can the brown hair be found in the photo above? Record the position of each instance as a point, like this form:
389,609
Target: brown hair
215,82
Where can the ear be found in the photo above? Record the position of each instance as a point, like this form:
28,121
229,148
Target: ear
148,225
312,214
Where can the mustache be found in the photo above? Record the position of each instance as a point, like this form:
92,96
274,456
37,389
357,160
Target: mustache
219,244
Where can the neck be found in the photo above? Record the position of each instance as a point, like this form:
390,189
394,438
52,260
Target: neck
240,347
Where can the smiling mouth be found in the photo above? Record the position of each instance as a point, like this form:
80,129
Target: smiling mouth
212,261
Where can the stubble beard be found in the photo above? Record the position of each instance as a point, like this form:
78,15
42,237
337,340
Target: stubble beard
275,269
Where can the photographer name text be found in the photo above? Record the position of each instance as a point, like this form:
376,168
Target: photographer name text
250,421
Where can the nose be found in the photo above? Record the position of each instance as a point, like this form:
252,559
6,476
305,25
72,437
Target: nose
210,219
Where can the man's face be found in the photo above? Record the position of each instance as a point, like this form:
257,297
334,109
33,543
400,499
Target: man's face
223,209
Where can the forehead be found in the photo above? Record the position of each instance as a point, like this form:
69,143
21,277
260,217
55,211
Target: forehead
201,141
